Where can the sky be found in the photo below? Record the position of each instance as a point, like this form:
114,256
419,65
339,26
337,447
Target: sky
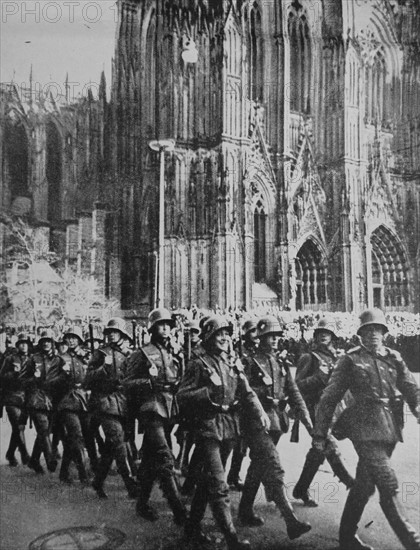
57,37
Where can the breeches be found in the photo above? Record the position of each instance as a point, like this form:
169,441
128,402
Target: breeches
374,469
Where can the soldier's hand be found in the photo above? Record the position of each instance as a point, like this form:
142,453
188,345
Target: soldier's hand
265,421
318,444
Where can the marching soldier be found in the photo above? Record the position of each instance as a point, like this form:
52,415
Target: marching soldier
273,383
313,372
152,376
73,408
108,404
378,379
212,394
42,397
248,349
15,370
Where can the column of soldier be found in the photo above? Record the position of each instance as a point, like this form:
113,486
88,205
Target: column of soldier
224,399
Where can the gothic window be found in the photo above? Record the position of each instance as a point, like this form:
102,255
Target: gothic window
310,277
375,80
256,60
150,80
389,270
300,63
259,243
17,151
53,171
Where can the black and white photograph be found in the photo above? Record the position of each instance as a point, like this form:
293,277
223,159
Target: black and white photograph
209,274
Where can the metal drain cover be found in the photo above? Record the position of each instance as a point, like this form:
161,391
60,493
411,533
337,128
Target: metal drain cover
79,538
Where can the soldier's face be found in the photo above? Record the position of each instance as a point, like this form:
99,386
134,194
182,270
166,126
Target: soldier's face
23,347
46,345
72,342
372,336
324,337
221,341
252,335
162,330
114,336
270,341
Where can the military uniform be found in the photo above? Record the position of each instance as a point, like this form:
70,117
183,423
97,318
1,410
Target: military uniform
108,405
213,395
272,381
313,372
15,372
374,424
151,379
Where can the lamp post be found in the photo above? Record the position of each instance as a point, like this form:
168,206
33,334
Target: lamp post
161,145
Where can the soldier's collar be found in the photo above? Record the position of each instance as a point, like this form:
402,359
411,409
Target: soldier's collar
382,352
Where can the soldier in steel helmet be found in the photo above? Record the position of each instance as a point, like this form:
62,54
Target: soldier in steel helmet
313,372
13,376
42,397
108,404
379,381
73,408
247,349
272,381
152,376
212,394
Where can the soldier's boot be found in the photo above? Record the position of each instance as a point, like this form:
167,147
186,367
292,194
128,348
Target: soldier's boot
80,460
64,475
101,473
10,454
50,459
91,451
395,514
144,509
340,470
192,529
235,469
223,517
34,463
171,492
352,513
313,461
21,441
246,513
125,472
295,527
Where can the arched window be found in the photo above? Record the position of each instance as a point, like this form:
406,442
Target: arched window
53,171
17,153
300,63
256,60
150,80
310,277
259,243
375,80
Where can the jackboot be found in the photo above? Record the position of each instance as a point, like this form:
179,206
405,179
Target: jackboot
79,458
235,468
295,527
125,472
301,491
340,470
64,475
192,530
101,474
24,455
170,490
34,463
246,513
395,514
145,480
50,459
352,513
10,454
223,517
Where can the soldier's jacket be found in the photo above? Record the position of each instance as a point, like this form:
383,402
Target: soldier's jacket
273,383
15,375
310,379
45,388
151,378
76,396
376,383
215,394
103,378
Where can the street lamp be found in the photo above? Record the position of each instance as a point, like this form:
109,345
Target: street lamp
161,145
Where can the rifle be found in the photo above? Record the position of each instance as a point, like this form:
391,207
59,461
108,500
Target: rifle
294,435
92,346
134,332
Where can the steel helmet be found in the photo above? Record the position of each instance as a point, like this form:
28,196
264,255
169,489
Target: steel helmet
46,334
326,325
373,316
22,337
74,331
117,323
249,325
213,325
159,315
193,326
269,325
